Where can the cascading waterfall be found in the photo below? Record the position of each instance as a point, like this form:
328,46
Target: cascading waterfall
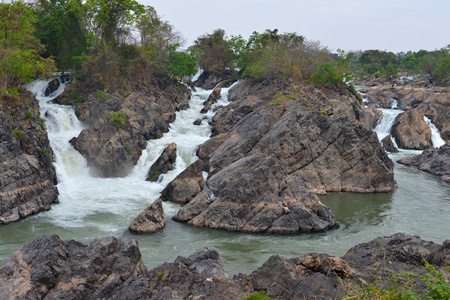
436,138
93,207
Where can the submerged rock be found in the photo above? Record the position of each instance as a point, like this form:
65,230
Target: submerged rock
27,174
411,131
434,160
112,269
151,220
164,163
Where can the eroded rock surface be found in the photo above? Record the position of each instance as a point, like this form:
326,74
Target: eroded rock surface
112,269
151,220
434,160
112,150
27,175
164,163
411,131
270,150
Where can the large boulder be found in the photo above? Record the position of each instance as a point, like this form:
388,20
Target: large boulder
113,148
432,160
388,144
265,160
52,87
411,131
164,163
27,175
151,220
215,95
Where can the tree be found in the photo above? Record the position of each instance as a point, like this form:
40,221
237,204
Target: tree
181,64
19,50
110,17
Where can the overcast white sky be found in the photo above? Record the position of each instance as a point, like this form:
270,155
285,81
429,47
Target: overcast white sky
391,25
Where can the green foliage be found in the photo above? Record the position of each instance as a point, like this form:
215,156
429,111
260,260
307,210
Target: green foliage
10,118
118,119
128,150
181,64
102,96
28,113
431,285
160,274
42,120
43,152
257,296
274,103
443,69
377,74
18,133
19,50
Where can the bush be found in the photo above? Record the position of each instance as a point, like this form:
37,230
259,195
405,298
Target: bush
118,119
257,296
28,113
18,133
102,96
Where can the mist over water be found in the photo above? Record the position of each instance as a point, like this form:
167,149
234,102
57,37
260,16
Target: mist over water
93,207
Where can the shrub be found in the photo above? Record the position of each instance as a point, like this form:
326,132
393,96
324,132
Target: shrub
128,150
43,127
257,296
118,118
28,113
18,133
102,96
274,103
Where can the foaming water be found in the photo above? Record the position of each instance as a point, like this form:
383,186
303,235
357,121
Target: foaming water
93,207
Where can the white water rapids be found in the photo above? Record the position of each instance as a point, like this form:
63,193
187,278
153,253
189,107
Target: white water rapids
93,207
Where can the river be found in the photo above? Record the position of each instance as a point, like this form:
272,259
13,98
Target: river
93,207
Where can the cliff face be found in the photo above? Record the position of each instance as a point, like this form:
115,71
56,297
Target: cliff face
27,176
274,151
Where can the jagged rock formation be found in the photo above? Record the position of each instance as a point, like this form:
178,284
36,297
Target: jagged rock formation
215,95
164,163
112,269
151,220
433,102
411,131
112,149
27,175
388,144
270,151
433,160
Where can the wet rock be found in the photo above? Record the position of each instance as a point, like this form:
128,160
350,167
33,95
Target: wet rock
164,163
198,122
112,149
27,174
411,131
151,220
52,86
266,161
388,144
211,100
432,160
183,188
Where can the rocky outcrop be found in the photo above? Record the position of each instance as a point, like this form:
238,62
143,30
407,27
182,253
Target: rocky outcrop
112,269
371,116
271,152
151,220
164,163
52,86
434,160
411,131
215,95
433,102
112,147
27,175
210,80
388,144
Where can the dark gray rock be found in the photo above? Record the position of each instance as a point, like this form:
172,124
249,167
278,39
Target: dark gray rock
433,160
27,175
164,163
151,220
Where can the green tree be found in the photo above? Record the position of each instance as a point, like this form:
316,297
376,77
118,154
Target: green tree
443,69
19,50
181,64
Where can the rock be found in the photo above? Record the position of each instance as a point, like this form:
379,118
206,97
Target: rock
151,220
183,188
112,151
211,100
27,175
164,163
112,269
432,160
371,116
266,162
411,131
389,145
198,122
52,86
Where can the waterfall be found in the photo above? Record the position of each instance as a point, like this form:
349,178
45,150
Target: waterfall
436,138
385,123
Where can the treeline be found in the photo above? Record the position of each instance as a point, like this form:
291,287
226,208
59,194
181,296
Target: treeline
378,63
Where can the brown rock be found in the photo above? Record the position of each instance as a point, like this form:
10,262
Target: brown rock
52,86
388,144
371,116
164,163
184,188
151,220
411,131
198,122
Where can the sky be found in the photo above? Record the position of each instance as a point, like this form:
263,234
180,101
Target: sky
388,25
